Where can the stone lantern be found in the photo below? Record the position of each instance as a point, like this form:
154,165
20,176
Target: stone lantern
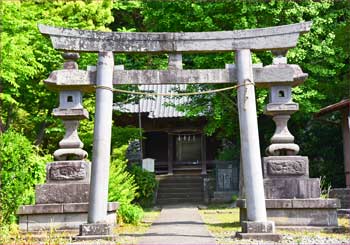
62,202
280,108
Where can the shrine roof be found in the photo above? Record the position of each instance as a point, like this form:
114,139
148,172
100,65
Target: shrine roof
156,106
344,104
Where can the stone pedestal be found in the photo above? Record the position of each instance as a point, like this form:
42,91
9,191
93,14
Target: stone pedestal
259,231
302,213
62,202
58,216
292,198
288,177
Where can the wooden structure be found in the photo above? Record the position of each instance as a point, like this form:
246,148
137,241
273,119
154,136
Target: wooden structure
344,108
342,193
176,143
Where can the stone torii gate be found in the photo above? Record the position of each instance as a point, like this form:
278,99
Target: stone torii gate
71,82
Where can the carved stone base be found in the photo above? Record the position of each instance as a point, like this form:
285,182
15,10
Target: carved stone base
286,166
68,171
62,193
95,229
298,212
67,216
292,188
259,236
258,231
258,227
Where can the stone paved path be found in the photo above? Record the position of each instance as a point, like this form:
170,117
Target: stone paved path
178,225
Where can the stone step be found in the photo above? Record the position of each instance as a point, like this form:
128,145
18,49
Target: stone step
182,180
179,176
179,200
170,186
179,195
179,190
192,172
182,188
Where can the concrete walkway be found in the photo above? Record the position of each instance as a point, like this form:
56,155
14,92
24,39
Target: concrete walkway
178,225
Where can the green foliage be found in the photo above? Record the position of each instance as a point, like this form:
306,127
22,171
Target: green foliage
130,214
146,183
28,59
323,53
21,168
122,186
123,135
229,153
325,187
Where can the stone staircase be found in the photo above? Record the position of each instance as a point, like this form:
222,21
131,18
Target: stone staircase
179,189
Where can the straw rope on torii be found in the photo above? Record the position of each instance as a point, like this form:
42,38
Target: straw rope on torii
247,82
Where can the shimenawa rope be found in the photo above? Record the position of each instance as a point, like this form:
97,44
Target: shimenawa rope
246,82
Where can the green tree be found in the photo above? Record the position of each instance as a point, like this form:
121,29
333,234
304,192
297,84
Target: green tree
21,168
28,58
323,53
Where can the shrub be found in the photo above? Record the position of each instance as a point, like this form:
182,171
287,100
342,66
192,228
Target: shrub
131,214
122,188
146,183
21,168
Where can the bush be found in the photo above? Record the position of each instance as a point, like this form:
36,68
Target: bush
131,214
21,168
146,183
122,188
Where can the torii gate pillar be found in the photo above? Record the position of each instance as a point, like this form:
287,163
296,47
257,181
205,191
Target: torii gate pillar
98,198
256,225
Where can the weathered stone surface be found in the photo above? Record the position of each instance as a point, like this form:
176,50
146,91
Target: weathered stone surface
280,149
281,188
62,193
298,212
68,171
59,216
255,39
284,166
259,236
316,203
71,114
40,209
226,178
273,108
258,227
95,229
279,203
52,208
70,153
71,138
343,194
78,80
175,61
263,77
57,221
